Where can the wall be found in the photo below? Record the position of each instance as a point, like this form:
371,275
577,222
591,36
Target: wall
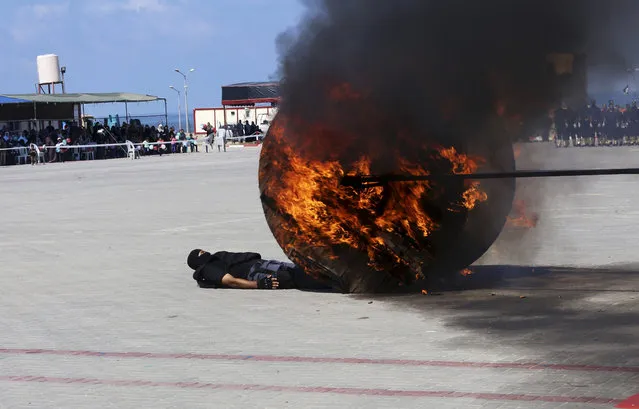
230,116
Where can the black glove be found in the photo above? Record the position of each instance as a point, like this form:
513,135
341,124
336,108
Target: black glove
265,283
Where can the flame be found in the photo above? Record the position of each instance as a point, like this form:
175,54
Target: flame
473,195
467,272
462,164
521,218
321,213
517,151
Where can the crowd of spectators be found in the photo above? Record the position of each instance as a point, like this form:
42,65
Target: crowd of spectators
245,129
591,125
57,145
243,132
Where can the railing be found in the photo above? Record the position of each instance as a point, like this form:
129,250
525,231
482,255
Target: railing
106,145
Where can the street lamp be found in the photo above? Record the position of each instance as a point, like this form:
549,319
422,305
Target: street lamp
186,96
63,70
179,106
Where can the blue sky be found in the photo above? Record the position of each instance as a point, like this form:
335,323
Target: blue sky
135,45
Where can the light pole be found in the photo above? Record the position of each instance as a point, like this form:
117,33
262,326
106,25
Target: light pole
186,96
179,106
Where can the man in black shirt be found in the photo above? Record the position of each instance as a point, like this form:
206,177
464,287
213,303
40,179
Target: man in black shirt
225,269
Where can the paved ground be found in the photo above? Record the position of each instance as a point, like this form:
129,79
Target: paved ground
99,311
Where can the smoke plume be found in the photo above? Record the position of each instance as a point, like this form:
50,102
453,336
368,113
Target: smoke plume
434,68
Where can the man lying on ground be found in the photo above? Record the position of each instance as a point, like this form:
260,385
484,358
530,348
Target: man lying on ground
225,269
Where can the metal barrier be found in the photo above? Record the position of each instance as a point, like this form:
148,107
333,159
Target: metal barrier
104,145
88,151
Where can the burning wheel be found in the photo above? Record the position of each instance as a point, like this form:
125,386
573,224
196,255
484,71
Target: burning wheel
381,238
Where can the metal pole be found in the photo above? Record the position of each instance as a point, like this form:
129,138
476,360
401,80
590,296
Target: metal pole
186,104
166,112
374,180
186,97
179,110
35,116
126,112
179,107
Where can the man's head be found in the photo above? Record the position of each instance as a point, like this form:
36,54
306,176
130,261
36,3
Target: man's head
197,258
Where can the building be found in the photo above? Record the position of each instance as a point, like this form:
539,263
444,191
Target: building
249,101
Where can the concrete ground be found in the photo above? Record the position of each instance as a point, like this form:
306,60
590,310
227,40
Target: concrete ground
99,310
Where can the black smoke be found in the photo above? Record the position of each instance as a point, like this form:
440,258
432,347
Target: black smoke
417,60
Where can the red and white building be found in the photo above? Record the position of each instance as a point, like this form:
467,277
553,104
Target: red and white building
250,101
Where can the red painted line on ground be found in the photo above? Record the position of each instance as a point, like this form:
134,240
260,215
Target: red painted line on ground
325,360
631,402
314,389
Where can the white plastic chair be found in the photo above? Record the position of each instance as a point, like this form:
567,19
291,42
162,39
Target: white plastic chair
23,155
87,153
131,151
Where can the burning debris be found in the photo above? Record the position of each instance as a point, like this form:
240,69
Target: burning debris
415,87
467,272
521,217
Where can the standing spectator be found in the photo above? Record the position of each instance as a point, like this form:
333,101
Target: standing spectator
563,125
220,138
60,150
239,128
3,153
33,154
210,135
173,145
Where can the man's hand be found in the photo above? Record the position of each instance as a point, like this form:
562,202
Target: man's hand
268,283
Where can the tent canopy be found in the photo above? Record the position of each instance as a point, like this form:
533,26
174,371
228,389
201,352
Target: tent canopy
88,98
250,93
7,100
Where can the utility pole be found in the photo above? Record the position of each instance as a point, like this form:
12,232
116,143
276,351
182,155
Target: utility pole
186,96
179,107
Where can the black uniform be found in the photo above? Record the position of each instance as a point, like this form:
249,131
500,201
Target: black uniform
211,268
564,120
633,123
611,117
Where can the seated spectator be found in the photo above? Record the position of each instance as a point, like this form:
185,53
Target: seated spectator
193,143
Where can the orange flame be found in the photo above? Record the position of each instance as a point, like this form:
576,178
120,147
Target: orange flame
517,151
467,272
326,214
320,213
462,164
521,218
473,195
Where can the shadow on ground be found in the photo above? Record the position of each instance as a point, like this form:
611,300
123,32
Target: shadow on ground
571,315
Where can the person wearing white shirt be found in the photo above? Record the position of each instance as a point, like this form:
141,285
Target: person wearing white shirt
220,138
60,149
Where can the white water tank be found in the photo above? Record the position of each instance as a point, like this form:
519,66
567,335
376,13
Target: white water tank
48,69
